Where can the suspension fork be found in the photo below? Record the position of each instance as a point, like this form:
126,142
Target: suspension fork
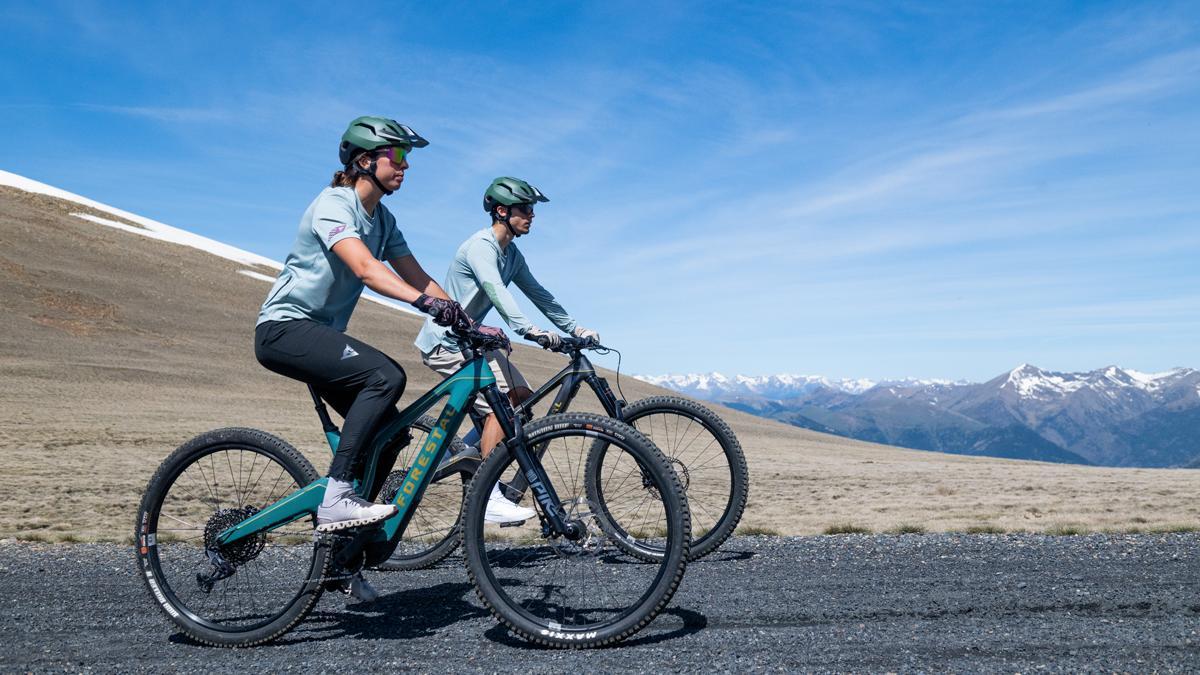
531,467
614,406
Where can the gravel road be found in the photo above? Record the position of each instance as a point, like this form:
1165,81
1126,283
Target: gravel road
852,602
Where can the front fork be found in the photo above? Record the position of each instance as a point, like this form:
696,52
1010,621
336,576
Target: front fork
531,468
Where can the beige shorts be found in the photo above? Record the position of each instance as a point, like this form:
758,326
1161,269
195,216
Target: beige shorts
445,362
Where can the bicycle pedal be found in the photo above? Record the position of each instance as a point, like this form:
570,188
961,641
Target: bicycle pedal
516,523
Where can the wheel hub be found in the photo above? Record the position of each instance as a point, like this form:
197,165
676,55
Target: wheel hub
591,540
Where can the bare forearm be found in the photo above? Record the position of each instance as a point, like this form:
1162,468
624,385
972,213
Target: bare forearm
435,289
383,281
411,271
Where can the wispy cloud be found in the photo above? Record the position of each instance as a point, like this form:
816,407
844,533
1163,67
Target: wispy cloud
166,114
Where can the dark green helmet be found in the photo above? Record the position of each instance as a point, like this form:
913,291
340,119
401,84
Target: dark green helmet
372,133
508,191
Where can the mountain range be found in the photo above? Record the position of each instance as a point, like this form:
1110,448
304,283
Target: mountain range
1110,417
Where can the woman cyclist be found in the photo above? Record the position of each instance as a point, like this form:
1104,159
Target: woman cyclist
344,236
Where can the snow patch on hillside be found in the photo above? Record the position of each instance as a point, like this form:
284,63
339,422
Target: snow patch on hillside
163,232
153,228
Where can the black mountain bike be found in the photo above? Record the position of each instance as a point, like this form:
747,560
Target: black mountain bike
700,446
227,546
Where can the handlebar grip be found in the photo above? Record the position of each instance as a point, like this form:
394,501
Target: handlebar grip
542,340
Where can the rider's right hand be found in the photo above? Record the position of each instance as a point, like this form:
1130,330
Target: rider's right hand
544,338
444,312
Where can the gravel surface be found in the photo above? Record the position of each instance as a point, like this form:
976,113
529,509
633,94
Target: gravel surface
845,603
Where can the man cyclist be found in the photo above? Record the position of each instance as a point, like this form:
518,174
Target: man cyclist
478,277
343,239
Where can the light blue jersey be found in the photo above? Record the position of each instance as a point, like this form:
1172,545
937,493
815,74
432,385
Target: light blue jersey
478,279
314,283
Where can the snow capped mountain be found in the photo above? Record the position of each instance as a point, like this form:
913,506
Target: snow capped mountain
710,385
1025,381
1032,382
715,385
1110,416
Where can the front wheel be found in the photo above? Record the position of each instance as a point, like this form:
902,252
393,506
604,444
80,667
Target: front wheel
584,592
247,592
708,459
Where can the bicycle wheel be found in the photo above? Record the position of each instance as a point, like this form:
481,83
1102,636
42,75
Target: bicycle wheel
708,459
208,484
435,529
582,593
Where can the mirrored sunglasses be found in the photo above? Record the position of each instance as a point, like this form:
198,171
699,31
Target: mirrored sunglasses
394,153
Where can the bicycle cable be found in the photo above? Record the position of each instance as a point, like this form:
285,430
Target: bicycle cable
605,350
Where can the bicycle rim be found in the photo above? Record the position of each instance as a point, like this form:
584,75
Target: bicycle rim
708,461
199,496
587,592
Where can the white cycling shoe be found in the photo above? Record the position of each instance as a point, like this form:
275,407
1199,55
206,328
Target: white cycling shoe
342,508
358,588
501,510
362,590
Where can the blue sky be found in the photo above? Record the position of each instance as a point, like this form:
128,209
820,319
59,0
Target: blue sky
846,189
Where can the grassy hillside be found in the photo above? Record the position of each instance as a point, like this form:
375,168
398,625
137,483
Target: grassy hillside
117,348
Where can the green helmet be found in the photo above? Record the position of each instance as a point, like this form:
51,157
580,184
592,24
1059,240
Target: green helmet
508,191
372,133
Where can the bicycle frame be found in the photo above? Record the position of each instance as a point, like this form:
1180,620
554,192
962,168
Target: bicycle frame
568,382
460,388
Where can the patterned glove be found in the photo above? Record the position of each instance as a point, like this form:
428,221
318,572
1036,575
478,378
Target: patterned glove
493,332
544,338
444,312
586,333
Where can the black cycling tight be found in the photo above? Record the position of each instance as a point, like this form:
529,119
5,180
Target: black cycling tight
360,382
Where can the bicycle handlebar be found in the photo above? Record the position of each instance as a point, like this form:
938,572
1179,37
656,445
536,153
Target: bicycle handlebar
479,341
567,344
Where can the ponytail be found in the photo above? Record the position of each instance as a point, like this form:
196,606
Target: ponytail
344,177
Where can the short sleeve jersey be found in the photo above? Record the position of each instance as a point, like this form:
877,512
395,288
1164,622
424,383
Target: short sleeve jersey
315,284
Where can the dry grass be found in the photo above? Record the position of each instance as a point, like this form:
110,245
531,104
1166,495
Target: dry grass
110,362
907,528
756,530
847,528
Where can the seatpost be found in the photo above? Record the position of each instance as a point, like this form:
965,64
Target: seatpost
326,424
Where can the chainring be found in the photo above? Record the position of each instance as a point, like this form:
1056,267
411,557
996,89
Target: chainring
391,485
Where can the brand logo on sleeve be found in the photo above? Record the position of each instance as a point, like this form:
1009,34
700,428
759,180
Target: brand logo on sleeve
334,232
348,352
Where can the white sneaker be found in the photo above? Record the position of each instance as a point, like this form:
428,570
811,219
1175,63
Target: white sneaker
501,510
362,590
342,508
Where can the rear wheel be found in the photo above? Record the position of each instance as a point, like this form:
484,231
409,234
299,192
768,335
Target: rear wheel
254,589
582,592
708,459
435,529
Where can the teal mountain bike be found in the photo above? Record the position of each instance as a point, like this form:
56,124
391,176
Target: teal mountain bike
702,449
226,531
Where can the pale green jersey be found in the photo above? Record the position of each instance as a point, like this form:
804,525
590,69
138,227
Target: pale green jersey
314,283
478,280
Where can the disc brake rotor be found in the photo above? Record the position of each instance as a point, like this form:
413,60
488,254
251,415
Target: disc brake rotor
681,470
